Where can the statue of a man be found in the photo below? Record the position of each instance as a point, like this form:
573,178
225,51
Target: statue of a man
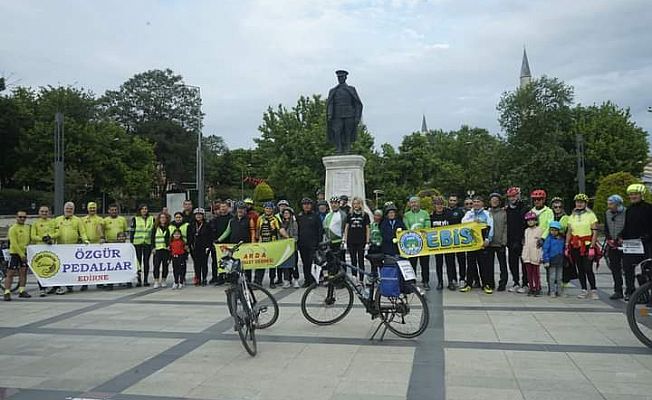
344,111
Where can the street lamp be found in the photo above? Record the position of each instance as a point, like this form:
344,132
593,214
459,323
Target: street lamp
199,173
377,193
58,164
242,180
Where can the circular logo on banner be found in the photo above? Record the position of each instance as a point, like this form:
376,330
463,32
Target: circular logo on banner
411,243
45,264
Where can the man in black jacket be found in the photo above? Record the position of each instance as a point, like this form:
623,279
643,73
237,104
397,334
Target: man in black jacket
200,241
456,215
638,225
239,229
310,234
515,232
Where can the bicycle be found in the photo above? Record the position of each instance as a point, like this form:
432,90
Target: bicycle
249,303
640,305
328,300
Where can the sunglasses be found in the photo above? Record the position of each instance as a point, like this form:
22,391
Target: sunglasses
22,217
557,206
537,198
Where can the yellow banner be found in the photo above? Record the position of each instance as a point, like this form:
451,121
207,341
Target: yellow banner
276,254
440,240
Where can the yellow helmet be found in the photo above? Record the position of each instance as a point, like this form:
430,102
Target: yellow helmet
636,188
581,197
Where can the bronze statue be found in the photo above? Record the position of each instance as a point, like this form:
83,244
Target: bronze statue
344,111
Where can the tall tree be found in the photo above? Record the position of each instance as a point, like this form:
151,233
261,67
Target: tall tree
154,95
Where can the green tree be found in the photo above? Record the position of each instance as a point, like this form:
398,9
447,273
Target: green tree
613,142
262,193
537,120
615,183
154,95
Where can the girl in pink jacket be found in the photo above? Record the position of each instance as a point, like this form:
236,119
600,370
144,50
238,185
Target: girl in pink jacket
531,255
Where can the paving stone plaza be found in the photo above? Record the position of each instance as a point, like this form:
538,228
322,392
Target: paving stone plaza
148,344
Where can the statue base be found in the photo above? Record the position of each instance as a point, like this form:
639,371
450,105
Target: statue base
345,176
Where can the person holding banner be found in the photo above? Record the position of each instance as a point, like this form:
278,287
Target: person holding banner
94,227
442,216
161,239
457,213
310,234
69,229
218,224
416,219
290,230
638,230
479,259
19,238
268,231
141,233
388,229
239,230
41,232
114,226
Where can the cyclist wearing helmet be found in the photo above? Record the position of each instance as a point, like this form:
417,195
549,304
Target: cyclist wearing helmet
281,205
638,225
388,227
532,253
613,229
334,225
516,209
240,229
252,214
415,219
543,212
267,230
479,259
218,224
580,241
310,234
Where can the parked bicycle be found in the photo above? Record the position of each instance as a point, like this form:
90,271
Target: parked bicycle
639,306
330,298
251,306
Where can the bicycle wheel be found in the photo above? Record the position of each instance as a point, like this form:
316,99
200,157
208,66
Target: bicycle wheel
264,304
244,322
326,304
15,284
639,308
407,315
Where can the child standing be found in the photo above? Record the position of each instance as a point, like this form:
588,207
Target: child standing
178,253
531,255
553,258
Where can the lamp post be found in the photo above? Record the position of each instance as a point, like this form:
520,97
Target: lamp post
59,176
378,193
199,172
242,180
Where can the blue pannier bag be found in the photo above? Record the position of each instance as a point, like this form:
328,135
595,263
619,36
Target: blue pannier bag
390,281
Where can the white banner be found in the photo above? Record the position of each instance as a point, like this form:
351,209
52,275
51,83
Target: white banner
74,264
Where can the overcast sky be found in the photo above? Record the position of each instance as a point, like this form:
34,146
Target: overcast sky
449,60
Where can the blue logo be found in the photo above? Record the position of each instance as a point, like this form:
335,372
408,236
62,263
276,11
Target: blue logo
411,243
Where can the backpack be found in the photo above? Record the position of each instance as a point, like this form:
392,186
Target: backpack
392,281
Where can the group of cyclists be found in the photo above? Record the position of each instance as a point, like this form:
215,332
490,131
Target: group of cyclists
522,238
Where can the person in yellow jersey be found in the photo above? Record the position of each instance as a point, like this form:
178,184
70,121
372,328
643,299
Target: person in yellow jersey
114,224
94,226
141,230
580,243
41,233
19,237
69,229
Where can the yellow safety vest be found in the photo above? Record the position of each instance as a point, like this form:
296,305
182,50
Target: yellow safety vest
143,230
159,238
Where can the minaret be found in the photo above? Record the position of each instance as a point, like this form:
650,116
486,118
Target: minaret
424,126
526,76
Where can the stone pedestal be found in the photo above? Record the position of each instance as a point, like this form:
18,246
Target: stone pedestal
345,175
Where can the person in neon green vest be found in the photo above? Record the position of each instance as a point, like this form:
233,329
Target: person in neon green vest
69,229
416,219
141,232
19,237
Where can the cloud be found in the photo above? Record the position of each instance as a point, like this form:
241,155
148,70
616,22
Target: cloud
449,60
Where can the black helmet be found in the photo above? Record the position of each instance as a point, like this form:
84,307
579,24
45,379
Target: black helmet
240,204
322,203
306,200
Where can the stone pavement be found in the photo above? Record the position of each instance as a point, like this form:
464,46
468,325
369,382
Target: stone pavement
147,344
